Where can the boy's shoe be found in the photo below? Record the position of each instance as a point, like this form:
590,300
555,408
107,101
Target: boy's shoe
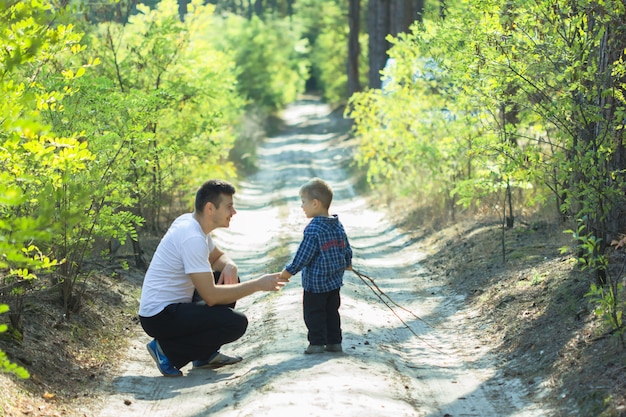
314,349
164,365
216,361
334,348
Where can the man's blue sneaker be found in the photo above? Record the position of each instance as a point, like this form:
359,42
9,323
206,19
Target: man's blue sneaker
217,360
164,365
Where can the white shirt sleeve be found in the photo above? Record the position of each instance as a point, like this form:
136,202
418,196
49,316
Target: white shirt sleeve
195,255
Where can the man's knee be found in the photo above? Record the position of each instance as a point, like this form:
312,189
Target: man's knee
234,326
241,322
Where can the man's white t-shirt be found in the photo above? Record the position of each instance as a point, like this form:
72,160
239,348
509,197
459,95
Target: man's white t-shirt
183,250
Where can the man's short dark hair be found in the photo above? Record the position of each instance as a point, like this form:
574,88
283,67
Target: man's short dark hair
212,191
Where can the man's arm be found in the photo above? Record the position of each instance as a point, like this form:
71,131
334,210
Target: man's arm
226,294
228,269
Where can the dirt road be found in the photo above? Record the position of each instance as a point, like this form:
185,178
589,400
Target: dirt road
419,363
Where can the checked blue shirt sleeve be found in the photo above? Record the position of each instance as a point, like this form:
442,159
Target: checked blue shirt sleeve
307,251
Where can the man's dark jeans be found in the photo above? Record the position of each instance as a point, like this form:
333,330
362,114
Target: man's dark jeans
194,331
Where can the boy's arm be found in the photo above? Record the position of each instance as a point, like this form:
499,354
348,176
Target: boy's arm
285,274
305,253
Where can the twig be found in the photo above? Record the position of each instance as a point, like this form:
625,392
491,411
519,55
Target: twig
380,293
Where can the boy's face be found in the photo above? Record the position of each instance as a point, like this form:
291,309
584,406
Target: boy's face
310,206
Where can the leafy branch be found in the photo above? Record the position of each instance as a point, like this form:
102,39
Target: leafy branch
607,297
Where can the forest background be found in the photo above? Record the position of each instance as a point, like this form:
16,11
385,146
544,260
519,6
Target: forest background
113,112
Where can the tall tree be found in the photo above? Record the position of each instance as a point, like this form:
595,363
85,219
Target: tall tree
378,26
387,17
354,13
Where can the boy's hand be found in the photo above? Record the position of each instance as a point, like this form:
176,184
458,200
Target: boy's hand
285,275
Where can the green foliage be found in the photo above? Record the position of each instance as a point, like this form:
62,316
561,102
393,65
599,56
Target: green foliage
270,57
329,54
417,133
607,307
178,101
33,159
605,295
588,248
325,25
5,364
66,190
510,104
27,41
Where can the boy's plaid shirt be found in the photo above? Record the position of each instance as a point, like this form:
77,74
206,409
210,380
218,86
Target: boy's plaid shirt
323,255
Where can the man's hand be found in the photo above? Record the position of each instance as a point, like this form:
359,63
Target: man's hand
271,282
229,274
225,266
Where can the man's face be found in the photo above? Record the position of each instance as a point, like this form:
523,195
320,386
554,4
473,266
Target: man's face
226,210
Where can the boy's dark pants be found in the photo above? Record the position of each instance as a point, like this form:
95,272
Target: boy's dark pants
193,331
321,316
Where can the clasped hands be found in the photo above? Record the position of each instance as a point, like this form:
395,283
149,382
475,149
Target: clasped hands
274,281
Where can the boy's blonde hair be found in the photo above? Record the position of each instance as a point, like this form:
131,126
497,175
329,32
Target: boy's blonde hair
319,189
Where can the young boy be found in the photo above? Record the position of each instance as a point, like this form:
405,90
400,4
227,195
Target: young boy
323,256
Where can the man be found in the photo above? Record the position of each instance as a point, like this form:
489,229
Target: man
187,261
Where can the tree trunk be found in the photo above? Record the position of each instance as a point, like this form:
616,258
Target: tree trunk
354,13
612,47
386,17
403,13
510,219
419,9
378,26
606,132
182,9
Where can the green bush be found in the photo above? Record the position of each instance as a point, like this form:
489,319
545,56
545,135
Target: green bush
5,364
270,56
330,55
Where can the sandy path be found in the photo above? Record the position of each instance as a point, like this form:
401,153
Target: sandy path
432,369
